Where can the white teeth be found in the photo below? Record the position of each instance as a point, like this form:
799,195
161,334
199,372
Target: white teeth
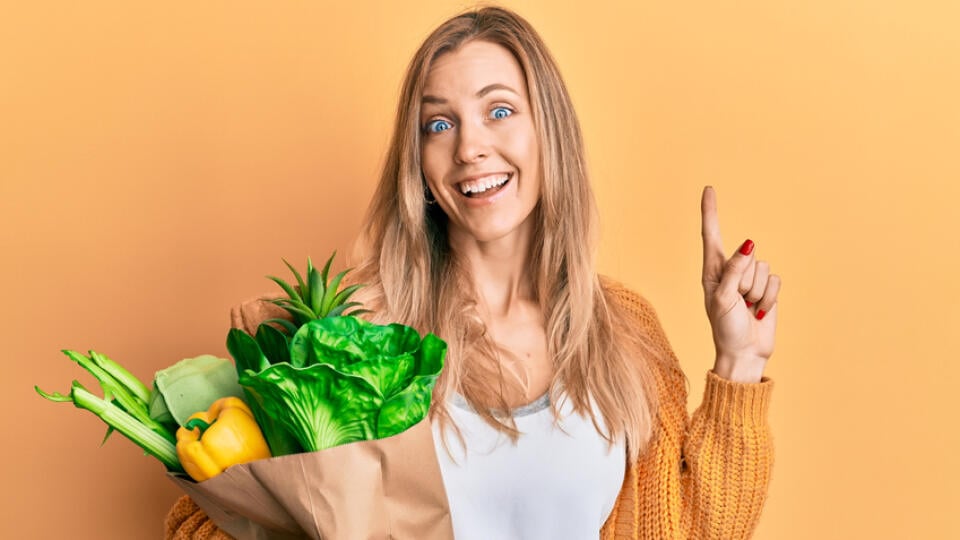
484,184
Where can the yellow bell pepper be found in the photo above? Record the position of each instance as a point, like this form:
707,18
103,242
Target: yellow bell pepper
224,435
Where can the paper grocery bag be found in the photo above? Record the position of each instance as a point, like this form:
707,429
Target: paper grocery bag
382,489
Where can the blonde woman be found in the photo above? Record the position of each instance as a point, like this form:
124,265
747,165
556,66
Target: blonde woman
561,411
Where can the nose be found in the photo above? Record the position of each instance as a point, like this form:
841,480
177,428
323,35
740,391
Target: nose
473,143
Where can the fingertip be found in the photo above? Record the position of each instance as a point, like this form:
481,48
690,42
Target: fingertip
747,247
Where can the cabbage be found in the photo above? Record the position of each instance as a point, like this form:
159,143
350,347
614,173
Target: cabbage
346,380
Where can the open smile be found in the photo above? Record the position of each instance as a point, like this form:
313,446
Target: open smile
485,187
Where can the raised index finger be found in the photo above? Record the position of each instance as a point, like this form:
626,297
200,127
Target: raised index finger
713,254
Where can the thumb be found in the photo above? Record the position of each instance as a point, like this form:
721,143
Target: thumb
734,269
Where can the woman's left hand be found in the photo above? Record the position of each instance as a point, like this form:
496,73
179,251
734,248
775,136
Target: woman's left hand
740,295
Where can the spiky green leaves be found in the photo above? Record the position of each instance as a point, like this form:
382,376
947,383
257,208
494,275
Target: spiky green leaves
315,297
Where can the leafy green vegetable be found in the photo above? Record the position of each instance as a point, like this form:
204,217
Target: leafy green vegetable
348,380
332,378
318,406
248,357
410,404
191,385
123,407
245,351
274,344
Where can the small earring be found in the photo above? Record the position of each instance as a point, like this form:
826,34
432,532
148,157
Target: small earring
428,196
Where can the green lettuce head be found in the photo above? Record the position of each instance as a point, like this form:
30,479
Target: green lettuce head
347,380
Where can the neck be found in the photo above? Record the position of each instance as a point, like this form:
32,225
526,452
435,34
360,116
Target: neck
500,269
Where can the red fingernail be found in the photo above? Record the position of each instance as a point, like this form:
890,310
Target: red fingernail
749,303
760,314
746,248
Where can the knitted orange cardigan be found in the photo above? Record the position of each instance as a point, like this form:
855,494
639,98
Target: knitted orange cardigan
704,476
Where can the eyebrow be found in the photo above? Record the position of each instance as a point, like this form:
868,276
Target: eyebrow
483,91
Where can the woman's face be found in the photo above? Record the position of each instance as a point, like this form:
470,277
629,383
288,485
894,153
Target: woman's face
479,148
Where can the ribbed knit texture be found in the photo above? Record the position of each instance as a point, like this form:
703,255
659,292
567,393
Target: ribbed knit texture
186,521
703,477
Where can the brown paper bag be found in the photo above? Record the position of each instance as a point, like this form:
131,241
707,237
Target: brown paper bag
382,489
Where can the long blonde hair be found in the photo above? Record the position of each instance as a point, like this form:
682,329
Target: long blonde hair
414,277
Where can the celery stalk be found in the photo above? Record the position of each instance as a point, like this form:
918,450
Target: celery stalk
123,376
115,417
128,401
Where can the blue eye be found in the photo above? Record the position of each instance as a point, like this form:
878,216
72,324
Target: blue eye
501,112
437,126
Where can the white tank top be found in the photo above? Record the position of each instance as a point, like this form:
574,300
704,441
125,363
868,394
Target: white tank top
553,484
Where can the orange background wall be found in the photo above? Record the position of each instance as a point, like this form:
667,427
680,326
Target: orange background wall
158,159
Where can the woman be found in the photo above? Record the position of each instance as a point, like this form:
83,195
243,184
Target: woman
561,410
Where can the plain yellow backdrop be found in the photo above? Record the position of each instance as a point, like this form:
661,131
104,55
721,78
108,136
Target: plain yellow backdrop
157,159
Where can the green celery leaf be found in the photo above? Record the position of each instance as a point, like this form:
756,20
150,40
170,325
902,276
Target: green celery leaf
110,430
56,397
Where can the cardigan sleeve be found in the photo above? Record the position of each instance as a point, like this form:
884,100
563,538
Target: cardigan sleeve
186,521
705,475
728,456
